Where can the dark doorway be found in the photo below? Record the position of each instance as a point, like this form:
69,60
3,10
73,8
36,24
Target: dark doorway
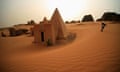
42,36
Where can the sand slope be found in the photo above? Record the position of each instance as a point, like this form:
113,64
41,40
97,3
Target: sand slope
91,51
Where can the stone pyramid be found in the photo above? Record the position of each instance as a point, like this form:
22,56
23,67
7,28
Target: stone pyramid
59,24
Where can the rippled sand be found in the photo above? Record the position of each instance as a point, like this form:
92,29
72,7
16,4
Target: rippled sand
91,51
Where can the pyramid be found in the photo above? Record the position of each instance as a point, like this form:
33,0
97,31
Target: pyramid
52,30
45,19
59,24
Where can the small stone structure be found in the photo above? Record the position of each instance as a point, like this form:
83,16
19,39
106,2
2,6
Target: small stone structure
50,30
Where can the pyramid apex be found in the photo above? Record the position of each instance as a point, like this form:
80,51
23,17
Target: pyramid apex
56,15
56,8
56,11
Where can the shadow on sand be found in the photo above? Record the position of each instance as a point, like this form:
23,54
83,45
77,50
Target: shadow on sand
37,47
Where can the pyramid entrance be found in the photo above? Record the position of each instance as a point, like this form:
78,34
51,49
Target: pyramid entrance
42,36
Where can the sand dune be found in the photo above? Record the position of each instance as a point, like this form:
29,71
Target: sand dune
91,51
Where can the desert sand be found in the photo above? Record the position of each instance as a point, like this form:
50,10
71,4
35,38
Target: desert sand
91,51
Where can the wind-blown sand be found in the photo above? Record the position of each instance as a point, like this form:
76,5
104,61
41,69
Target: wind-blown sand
91,51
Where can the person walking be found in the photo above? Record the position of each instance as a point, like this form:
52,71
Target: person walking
102,26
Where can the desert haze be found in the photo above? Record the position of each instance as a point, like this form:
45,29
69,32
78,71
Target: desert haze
91,51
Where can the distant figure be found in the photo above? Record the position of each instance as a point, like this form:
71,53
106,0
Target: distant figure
102,26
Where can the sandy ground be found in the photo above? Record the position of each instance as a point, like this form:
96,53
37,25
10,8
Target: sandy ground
91,51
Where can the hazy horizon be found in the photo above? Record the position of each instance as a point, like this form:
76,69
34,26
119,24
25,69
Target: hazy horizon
20,11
